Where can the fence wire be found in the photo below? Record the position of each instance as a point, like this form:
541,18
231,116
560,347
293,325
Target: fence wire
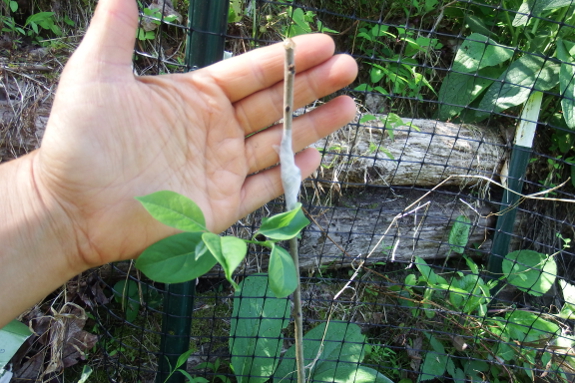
406,207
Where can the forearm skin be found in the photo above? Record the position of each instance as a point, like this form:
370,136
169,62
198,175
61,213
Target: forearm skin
37,241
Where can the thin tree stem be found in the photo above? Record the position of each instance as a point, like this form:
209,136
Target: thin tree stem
291,181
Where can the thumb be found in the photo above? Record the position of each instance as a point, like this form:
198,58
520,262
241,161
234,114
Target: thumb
109,41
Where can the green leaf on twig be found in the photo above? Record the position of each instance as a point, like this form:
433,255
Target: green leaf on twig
228,251
174,210
284,226
173,259
282,272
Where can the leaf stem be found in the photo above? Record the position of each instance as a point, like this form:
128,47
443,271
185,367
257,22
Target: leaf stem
509,24
291,181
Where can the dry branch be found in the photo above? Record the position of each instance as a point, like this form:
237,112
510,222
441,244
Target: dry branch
24,109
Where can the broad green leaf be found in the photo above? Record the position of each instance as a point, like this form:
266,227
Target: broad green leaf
234,250
522,15
175,210
435,344
376,73
381,90
126,293
298,17
567,84
435,362
474,294
367,118
173,259
566,342
513,88
235,11
531,8
13,6
410,280
191,379
37,18
478,52
348,373
459,234
213,243
477,25
471,264
428,275
182,359
459,90
343,343
568,291
530,271
450,367
568,310
228,251
363,87
392,121
282,272
504,351
428,308
323,29
381,30
473,368
526,326
257,322
86,372
284,226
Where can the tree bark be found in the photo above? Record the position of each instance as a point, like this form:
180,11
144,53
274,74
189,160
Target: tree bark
423,154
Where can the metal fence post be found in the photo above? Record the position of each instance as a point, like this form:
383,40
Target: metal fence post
207,21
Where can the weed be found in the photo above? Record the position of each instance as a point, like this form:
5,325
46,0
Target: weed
479,77
395,73
488,338
132,294
334,350
214,368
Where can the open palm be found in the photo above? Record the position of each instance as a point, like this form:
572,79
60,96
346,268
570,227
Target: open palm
113,136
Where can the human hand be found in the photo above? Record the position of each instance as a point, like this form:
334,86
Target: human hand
113,136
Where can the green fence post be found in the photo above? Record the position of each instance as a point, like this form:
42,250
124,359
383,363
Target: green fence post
207,20
176,326
520,155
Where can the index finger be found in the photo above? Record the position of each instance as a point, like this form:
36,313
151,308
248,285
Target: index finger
259,69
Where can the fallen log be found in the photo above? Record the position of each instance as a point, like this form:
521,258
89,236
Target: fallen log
344,235
411,152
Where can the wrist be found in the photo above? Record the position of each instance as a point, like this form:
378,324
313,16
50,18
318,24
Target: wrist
38,243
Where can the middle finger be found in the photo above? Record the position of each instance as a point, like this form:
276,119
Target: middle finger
265,107
261,148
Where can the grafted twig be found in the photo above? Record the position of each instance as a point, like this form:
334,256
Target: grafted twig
291,181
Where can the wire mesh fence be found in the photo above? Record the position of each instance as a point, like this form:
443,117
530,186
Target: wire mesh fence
440,239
